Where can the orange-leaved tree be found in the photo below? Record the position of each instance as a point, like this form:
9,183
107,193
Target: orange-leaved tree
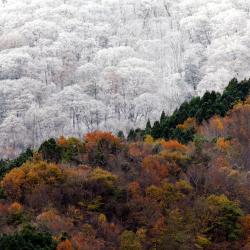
154,169
100,145
65,245
20,181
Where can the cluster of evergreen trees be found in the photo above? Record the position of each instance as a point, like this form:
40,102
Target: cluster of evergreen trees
200,108
28,238
7,165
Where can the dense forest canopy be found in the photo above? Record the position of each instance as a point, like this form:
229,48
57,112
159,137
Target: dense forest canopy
105,192
124,124
71,66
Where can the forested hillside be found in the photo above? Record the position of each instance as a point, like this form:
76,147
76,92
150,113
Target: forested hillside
105,192
183,123
72,66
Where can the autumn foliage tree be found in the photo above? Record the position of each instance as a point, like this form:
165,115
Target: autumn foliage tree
51,221
71,149
154,169
129,241
235,130
65,245
222,218
21,181
100,145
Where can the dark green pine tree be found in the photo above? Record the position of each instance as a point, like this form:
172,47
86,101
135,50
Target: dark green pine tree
163,117
28,239
156,130
131,135
148,129
51,151
201,108
120,134
6,166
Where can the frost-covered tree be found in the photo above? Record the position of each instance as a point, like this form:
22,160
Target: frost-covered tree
67,67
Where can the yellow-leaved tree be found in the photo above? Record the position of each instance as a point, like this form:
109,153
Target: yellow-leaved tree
20,181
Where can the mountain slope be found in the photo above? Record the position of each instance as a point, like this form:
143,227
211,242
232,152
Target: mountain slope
71,66
104,192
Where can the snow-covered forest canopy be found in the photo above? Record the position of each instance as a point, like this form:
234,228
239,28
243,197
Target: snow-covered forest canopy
71,66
